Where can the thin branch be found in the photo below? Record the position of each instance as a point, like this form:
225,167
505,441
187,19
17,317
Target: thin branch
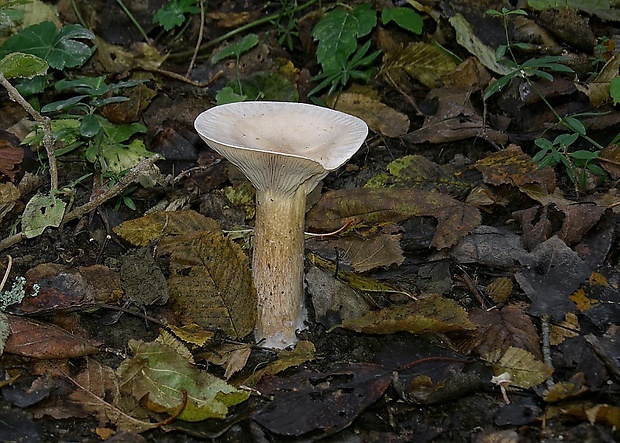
199,41
48,138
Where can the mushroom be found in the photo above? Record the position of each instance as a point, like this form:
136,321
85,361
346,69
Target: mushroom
285,149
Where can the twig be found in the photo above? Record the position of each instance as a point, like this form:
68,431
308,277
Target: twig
546,346
7,272
132,176
48,138
199,41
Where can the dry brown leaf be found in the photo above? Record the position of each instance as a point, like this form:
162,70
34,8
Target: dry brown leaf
499,330
609,159
304,351
378,116
211,284
35,339
336,208
435,314
500,289
231,356
141,231
512,167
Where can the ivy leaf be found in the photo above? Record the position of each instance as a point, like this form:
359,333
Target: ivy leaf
173,13
61,49
338,32
20,65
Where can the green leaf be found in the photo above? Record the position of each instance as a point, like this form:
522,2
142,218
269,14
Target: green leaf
84,85
584,155
228,95
121,132
159,376
89,126
42,211
406,18
236,49
566,139
498,84
574,124
118,158
63,104
20,65
173,13
338,32
60,49
614,90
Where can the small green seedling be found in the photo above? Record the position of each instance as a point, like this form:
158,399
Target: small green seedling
227,94
174,13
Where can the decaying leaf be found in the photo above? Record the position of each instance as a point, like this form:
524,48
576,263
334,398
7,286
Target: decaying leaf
575,387
568,328
10,157
424,62
512,167
35,339
525,370
231,356
499,330
356,281
64,288
329,402
499,290
378,116
336,208
210,283
333,300
599,298
365,254
609,159
163,380
304,351
192,333
601,413
435,314
418,172
141,231
142,279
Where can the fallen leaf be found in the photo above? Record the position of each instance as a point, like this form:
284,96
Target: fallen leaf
599,298
424,62
141,231
192,333
525,370
35,339
499,290
568,328
64,288
500,329
434,314
333,301
158,376
609,159
210,283
10,156
379,117
418,172
336,208
561,391
303,352
512,167
311,401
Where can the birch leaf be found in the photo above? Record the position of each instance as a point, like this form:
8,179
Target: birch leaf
526,371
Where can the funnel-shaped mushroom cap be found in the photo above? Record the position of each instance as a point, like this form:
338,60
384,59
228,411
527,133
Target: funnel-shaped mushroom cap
282,145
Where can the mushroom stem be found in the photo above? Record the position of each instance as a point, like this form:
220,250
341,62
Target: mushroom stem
278,266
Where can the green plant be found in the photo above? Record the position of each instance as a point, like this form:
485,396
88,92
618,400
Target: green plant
60,48
173,13
9,16
341,32
237,49
558,151
77,125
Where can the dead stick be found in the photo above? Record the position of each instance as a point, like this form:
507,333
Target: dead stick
48,138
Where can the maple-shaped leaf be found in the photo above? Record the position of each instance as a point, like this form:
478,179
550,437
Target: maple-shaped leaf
164,381
524,369
337,208
435,314
210,283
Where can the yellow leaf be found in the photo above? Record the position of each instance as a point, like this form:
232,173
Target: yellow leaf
524,369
